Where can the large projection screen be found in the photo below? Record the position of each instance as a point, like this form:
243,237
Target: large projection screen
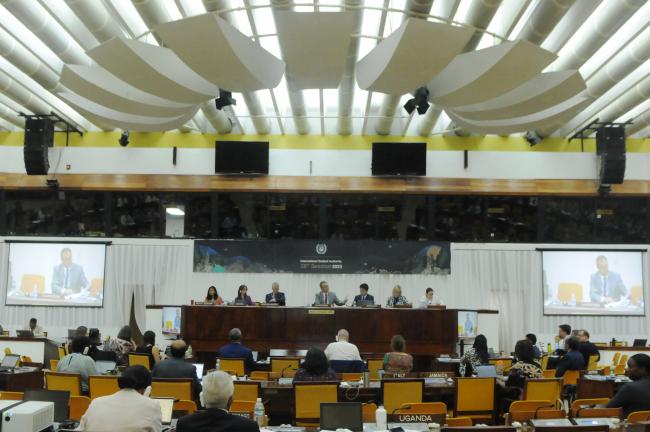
593,282
56,274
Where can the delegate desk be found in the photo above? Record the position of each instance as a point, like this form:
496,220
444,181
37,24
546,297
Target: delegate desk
41,350
20,379
280,397
428,332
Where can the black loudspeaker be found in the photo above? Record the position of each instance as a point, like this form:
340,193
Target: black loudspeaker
610,147
39,136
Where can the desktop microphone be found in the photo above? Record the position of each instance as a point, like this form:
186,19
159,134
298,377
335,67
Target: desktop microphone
283,370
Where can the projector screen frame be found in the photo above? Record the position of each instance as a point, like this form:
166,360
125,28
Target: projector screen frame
106,244
642,251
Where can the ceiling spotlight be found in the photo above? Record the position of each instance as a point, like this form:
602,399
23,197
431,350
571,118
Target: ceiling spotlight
410,106
533,138
124,138
420,101
225,99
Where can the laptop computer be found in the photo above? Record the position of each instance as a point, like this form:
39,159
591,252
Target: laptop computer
640,342
594,422
9,362
345,415
24,333
487,371
60,398
199,370
167,408
551,422
105,366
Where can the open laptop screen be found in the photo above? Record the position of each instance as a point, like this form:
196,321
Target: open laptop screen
335,416
10,360
167,408
60,399
199,370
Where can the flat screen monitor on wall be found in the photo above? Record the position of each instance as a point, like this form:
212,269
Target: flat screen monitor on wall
241,157
399,159
593,282
56,274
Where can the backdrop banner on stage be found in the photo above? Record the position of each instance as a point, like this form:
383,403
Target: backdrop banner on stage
319,256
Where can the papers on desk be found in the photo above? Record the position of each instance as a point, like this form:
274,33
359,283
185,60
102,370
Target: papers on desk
448,360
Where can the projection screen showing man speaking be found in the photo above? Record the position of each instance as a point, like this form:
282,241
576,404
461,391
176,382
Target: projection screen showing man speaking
56,274
593,283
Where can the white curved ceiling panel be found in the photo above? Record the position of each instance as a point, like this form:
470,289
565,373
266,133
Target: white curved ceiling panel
314,46
152,69
411,56
540,119
98,85
479,76
120,120
221,54
541,92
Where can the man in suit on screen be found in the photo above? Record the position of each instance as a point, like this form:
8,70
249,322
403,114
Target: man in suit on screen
68,277
606,286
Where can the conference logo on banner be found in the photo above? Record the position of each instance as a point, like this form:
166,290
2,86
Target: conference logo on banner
313,256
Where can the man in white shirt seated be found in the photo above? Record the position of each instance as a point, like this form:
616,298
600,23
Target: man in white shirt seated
34,328
128,409
342,349
77,362
429,298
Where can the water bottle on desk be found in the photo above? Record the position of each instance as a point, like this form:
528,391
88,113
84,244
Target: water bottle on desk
549,349
218,367
381,418
612,370
259,412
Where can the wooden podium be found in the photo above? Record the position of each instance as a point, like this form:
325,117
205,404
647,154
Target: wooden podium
428,332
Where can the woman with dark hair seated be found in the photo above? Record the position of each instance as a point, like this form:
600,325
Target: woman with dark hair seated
149,346
526,367
315,367
123,345
397,360
476,356
130,409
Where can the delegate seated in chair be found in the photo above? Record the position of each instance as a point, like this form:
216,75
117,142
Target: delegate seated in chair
634,396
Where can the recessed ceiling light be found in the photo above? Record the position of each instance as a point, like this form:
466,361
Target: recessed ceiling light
175,211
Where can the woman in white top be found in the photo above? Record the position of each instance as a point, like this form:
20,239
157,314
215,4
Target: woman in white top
127,410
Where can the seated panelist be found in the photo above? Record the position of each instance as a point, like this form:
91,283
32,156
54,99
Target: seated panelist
363,299
396,299
327,298
243,299
275,296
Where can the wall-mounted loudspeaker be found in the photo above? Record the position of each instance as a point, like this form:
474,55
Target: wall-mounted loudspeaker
610,147
39,136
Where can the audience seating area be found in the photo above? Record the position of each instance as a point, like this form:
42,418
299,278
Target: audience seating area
463,402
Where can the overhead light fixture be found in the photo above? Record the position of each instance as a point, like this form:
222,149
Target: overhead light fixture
533,138
175,211
420,101
124,138
225,99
